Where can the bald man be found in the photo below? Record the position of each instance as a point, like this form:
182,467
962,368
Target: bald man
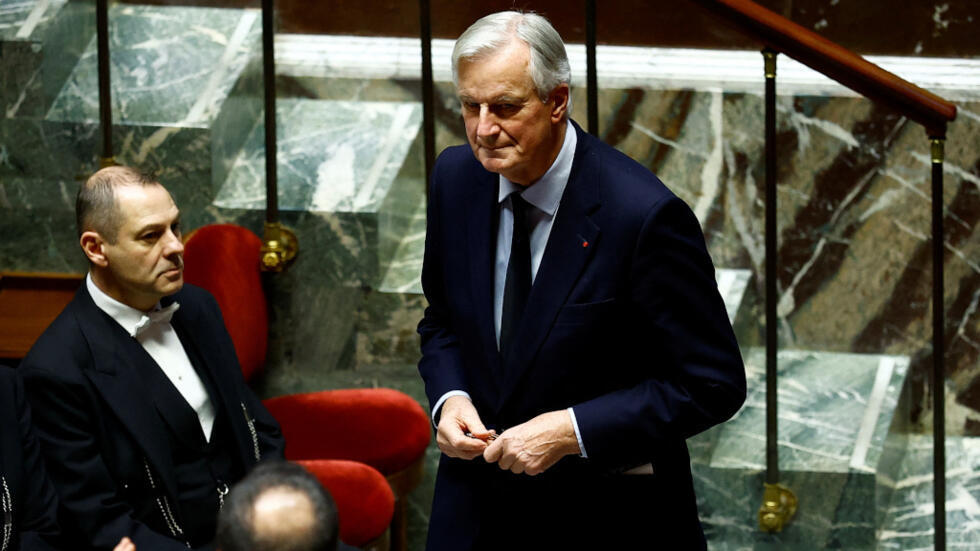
278,507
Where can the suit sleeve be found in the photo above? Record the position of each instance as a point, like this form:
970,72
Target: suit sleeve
697,378
37,518
441,363
88,494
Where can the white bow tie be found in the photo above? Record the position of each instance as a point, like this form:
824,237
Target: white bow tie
162,315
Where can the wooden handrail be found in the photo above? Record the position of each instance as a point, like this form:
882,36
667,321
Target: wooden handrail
837,62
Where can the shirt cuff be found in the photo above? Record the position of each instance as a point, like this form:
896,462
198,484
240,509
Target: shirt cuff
578,434
448,395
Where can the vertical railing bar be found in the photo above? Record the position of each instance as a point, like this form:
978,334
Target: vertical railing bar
269,80
938,347
428,92
105,88
772,344
592,80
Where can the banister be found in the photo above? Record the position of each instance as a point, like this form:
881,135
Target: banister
837,62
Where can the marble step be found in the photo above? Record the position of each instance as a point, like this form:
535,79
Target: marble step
909,522
180,103
40,42
348,169
839,449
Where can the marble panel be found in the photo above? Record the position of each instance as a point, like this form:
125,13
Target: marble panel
344,161
40,42
909,523
853,214
835,412
37,221
169,65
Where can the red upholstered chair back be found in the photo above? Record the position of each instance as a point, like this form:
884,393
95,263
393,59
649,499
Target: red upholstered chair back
224,259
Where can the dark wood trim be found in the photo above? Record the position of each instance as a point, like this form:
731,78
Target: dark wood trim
776,32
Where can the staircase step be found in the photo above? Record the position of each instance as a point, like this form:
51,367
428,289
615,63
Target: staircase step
909,518
345,162
176,73
170,66
836,451
40,42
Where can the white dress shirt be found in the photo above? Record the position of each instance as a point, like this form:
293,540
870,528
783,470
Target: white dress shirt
162,344
545,195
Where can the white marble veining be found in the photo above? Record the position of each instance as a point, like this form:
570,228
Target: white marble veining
834,412
170,66
333,156
909,517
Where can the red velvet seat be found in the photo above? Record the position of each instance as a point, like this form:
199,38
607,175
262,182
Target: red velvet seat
383,428
361,493
360,424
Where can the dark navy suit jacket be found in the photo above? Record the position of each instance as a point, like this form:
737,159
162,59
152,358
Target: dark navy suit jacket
35,505
106,446
624,323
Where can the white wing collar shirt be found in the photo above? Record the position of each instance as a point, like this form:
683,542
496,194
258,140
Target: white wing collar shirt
157,336
545,195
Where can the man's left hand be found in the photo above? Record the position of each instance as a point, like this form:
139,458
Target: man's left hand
533,447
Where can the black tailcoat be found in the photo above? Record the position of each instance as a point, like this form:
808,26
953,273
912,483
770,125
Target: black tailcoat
108,449
33,514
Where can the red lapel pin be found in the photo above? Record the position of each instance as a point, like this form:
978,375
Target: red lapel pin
585,244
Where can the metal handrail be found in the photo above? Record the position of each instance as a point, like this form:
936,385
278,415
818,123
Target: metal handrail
779,34
835,61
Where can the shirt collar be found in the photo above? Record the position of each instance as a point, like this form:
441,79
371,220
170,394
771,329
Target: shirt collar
546,193
126,316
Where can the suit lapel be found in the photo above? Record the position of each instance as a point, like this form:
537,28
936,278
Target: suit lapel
481,219
573,239
119,361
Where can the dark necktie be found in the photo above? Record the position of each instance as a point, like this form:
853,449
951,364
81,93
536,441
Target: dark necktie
517,286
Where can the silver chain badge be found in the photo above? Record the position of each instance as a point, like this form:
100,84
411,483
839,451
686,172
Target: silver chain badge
164,504
8,515
222,492
255,437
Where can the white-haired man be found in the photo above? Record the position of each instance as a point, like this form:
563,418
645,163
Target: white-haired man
568,355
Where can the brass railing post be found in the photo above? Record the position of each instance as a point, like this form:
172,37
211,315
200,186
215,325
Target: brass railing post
105,83
279,244
778,502
938,346
428,90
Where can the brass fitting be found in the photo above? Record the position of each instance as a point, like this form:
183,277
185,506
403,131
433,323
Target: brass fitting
938,147
279,247
778,507
770,67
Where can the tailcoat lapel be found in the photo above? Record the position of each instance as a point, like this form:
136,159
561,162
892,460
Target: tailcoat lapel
574,237
221,389
118,362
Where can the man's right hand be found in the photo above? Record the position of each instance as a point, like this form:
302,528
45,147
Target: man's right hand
458,417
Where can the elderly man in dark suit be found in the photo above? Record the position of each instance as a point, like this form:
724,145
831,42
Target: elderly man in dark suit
140,406
575,336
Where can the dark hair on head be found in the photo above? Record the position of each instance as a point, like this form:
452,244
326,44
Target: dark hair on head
95,204
236,521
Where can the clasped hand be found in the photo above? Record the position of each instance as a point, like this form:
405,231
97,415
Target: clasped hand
531,447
